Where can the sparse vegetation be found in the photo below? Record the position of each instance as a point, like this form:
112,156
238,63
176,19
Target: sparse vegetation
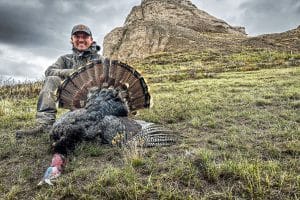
239,115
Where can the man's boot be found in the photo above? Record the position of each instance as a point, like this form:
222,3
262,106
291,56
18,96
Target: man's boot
46,108
44,122
34,131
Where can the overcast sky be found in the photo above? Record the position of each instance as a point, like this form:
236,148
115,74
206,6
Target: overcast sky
34,33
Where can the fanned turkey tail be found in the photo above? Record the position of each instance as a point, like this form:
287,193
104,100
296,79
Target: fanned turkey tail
104,74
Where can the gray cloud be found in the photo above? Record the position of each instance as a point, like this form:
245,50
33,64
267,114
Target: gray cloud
268,16
14,31
25,25
11,68
50,22
43,27
257,16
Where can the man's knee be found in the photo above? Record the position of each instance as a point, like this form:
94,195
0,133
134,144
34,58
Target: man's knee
51,83
53,79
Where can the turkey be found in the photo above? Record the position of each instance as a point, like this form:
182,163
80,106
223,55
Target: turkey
101,97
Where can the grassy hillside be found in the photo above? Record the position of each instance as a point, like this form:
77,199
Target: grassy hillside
239,116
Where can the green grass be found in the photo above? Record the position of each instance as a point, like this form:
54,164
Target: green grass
241,137
176,67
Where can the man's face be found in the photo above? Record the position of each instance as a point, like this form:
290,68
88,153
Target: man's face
81,41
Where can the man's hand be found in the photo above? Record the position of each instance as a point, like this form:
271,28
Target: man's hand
64,73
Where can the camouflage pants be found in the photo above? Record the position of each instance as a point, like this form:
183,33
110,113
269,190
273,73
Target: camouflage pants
46,106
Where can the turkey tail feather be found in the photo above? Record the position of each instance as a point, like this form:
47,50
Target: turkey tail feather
104,74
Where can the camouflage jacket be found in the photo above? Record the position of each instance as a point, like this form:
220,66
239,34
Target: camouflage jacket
66,64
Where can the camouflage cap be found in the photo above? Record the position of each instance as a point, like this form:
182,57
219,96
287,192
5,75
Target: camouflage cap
81,28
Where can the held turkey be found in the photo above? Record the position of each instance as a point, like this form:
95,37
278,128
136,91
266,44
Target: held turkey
101,95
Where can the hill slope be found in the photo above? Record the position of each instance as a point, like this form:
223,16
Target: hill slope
240,128
286,41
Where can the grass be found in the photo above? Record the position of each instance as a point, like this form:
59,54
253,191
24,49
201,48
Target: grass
240,127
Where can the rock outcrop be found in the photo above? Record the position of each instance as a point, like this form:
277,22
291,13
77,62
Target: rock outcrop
168,25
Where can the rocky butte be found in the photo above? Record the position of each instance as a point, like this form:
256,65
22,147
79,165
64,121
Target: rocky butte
167,25
177,26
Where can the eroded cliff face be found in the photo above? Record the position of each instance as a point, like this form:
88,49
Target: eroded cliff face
168,25
179,13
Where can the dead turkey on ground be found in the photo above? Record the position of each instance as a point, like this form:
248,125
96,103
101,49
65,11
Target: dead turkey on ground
101,95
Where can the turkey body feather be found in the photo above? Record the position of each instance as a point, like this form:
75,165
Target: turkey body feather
106,120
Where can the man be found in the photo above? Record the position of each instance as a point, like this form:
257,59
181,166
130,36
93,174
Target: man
84,51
